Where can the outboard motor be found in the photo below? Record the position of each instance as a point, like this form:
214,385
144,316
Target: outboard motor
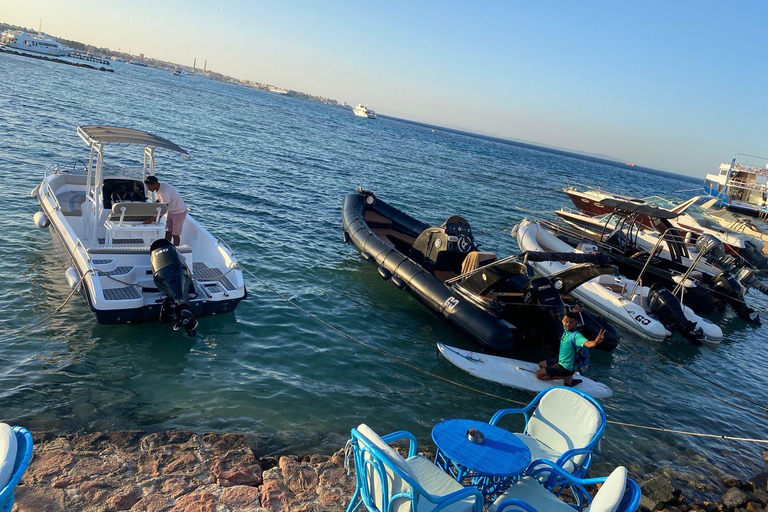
667,308
728,289
172,277
549,308
714,252
754,256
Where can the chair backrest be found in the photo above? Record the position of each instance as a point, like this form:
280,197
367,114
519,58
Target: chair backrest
19,464
565,419
135,212
610,495
383,473
8,448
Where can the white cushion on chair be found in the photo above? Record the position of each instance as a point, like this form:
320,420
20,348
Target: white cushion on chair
394,457
437,483
541,451
8,447
564,420
610,494
531,492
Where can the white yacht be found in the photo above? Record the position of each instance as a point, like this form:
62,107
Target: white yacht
741,186
37,43
364,111
114,235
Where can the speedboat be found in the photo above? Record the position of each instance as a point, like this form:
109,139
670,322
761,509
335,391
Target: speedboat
741,185
653,313
37,43
691,221
364,111
113,233
660,256
492,301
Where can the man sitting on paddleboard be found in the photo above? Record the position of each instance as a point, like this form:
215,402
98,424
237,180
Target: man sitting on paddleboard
564,366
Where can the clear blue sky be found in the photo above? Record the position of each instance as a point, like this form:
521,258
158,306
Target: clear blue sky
679,86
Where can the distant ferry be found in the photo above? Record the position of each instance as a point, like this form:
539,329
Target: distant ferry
630,164
364,111
137,62
37,43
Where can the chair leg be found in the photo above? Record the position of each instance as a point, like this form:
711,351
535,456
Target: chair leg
355,497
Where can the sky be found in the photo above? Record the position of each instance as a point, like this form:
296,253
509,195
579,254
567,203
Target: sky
679,86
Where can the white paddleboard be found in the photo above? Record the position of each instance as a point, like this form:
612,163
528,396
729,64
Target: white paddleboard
513,372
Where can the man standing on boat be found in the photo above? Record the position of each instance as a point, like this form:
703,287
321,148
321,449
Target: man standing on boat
177,208
570,342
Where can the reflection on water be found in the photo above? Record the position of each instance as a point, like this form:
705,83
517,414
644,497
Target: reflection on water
268,175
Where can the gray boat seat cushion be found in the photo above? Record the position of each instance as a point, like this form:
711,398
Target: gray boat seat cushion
136,212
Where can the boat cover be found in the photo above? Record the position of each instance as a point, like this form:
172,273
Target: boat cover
629,207
106,135
573,257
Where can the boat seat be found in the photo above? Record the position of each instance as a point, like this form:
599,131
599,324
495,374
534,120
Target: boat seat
136,211
444,275
610,282
393,236
372,218
476,259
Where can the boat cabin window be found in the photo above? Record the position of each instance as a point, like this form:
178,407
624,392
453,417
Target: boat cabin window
118,190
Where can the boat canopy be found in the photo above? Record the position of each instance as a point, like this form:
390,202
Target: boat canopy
630,207
106,135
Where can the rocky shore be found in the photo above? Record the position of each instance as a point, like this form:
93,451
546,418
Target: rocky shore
181,471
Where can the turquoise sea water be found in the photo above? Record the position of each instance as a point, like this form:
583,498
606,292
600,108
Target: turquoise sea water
268,175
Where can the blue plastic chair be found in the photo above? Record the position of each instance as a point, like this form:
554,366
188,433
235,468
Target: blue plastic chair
23,456
562,425
386,482
542,489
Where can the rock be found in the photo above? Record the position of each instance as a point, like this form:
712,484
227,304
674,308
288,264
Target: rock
299,477
275,496
732,481
153,503
123,499
657,492
753,507
198,501
241,498
765,456
759,482
734,497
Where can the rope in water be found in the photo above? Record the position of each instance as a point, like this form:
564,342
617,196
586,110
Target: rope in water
479,391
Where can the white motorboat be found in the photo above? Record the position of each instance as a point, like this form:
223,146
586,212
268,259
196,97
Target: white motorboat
364,111
650,312
114,236
692,220
741,185
37,43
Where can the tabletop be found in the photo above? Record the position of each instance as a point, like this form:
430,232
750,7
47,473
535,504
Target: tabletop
501,454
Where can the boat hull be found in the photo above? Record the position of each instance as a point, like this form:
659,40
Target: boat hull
488,331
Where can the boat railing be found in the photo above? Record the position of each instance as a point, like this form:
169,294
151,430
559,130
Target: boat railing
220,242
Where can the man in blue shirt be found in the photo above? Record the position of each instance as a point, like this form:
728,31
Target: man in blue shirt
564,366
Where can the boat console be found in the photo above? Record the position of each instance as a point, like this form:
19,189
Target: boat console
442,249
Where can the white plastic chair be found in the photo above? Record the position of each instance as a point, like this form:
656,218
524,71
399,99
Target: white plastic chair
538,493
386,482
562,425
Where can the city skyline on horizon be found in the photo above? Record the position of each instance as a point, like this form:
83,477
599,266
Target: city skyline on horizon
669,96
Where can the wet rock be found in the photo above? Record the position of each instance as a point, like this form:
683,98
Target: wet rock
657,492
734,497
759,482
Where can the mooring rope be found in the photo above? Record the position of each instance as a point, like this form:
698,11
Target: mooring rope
486,393
55,311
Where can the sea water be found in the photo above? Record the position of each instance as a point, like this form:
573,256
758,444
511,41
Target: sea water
268,174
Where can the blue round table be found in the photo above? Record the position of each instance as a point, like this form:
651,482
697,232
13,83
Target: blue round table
497,461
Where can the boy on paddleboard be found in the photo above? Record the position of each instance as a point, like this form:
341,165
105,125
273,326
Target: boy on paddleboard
570,342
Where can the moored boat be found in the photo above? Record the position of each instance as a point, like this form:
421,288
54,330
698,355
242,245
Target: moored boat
493,302
114,237
741,185
36,43
650,312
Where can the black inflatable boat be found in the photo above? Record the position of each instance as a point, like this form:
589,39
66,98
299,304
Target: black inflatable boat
493,302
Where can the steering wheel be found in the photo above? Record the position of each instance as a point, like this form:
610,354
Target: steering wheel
121,195
465,243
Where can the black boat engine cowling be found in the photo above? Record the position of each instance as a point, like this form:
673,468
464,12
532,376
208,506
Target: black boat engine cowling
172,277
727,287
668,310
549,307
